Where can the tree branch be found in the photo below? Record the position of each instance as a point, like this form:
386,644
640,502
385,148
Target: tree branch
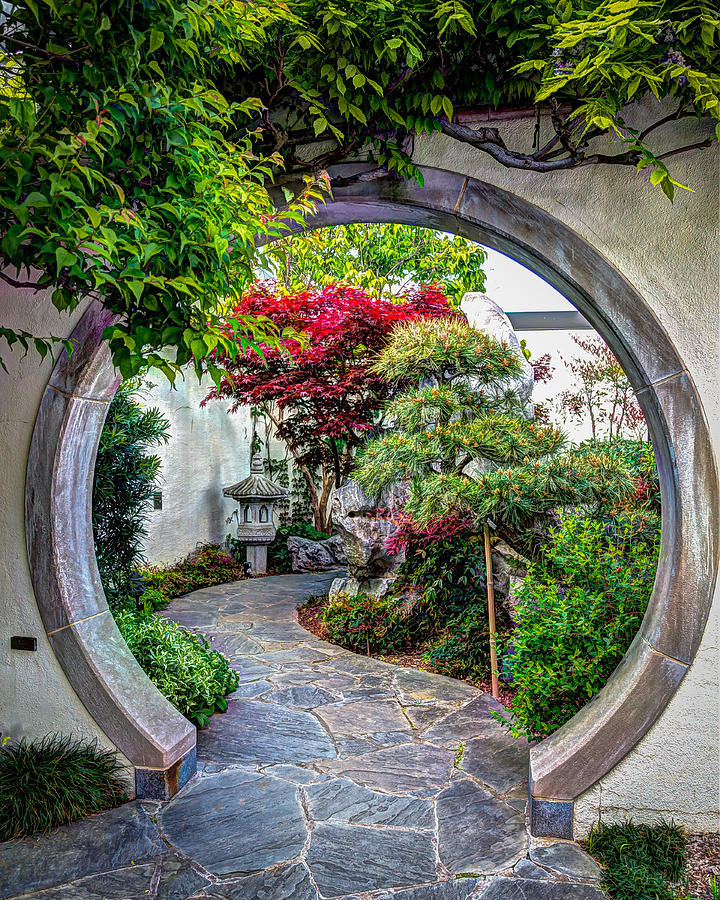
24,284
487,140
678,114
700,144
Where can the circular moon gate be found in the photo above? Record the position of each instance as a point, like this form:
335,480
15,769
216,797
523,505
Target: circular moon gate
160,743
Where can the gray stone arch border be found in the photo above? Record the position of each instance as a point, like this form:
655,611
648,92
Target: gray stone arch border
160,743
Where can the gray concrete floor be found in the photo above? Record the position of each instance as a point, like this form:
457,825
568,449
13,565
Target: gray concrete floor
331,775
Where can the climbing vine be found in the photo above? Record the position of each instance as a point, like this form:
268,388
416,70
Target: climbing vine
373,74
139,139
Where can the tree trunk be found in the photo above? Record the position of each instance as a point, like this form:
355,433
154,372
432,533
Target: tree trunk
326,495
315,499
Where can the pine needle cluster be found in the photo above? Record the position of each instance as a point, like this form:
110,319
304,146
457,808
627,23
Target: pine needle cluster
466,443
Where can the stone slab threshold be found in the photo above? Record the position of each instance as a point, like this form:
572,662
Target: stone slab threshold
331,775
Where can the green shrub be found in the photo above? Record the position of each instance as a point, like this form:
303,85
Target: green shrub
55,781
209,565
126,477
463,648
182,665
449,573
440,594
638,458
369,624
279,562
579,609
639,860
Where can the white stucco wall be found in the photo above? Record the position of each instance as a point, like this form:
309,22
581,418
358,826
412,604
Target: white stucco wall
35,695
209,449
671,255
668,252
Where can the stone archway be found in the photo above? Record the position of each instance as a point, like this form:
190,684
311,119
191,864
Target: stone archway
160,743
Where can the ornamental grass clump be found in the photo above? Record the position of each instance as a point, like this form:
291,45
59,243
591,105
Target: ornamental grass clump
54,781
640,861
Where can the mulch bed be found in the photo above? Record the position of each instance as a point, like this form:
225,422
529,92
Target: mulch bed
703,866
308,615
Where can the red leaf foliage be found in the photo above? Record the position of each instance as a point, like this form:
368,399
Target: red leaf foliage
323,393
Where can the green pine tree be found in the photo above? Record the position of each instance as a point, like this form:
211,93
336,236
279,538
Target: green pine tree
464,442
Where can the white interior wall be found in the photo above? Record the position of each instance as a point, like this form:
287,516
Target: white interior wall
208,450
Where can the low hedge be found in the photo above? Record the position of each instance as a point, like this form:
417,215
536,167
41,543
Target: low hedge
207,566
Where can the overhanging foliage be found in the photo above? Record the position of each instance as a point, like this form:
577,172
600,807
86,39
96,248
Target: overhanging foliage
139,138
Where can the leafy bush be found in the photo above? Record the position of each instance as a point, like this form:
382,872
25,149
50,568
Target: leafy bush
579,609
126,476
182,665
639,860
439,596
463,648
448,572
639,458
210,564
54,781
365,623
278,554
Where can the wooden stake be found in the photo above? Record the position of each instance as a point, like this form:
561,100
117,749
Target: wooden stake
491,614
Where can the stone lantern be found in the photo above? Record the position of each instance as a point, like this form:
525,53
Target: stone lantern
256,495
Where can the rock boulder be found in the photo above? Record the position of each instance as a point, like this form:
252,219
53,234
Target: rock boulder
364,525
482,312
314,556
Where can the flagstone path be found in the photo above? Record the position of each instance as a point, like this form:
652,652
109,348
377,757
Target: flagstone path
331,775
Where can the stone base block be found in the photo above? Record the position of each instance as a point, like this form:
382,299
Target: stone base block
162,784
551,818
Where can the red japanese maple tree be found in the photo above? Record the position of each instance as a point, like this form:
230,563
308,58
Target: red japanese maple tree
321,396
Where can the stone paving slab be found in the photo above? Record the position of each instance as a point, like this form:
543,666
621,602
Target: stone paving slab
285,883
347,858
456,889
236,822
331,775
410,768
364,717
344,801
100,843
496,763
526,889
477,832
568,859
117,885
252,731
